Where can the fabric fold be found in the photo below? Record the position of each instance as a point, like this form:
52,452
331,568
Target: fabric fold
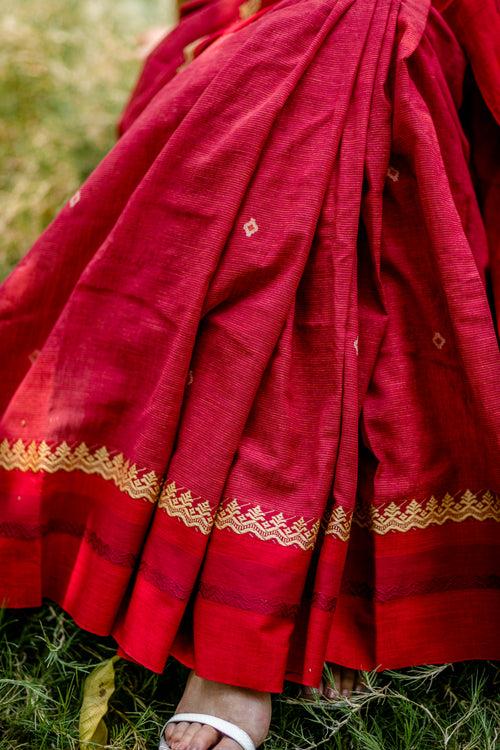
249,370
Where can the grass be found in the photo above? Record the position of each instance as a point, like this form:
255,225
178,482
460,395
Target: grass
45,658
66,69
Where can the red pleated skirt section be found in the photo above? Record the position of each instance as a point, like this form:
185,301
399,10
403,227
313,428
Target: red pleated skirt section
249,405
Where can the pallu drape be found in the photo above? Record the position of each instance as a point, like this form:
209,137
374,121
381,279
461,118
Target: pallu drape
249,398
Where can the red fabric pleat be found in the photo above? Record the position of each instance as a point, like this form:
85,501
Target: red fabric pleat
249,406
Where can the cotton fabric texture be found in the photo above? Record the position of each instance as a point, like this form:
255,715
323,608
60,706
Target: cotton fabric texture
249,398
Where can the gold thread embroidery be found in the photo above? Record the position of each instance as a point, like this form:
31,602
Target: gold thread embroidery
192,511
196,513
249,8
299,533
41,457
479,506
188,52
339,524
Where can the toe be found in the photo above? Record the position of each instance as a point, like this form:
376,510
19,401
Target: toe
205,738
311,693
169,731
347,682
322,688
330,678
177,734
188,735
332,691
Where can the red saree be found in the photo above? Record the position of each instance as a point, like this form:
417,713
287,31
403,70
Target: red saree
249,406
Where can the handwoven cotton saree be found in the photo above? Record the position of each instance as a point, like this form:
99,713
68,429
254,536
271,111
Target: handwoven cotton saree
249,405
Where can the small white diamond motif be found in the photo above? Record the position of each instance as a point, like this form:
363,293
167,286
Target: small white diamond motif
34,354
75,199
250,227
393,174
356,344
438,340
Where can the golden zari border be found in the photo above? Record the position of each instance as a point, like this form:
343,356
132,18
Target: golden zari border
42,457
179,502
192,511
339,524
250,519
288,533
481,506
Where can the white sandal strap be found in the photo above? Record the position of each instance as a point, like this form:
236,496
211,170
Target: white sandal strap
221,725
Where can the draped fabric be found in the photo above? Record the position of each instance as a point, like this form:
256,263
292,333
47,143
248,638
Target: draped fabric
249,398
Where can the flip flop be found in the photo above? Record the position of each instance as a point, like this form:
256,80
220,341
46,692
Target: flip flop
221,725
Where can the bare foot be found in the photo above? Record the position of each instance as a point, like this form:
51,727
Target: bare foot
343,683
248,709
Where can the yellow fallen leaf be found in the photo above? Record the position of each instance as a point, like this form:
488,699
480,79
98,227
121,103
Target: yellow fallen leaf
97,689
